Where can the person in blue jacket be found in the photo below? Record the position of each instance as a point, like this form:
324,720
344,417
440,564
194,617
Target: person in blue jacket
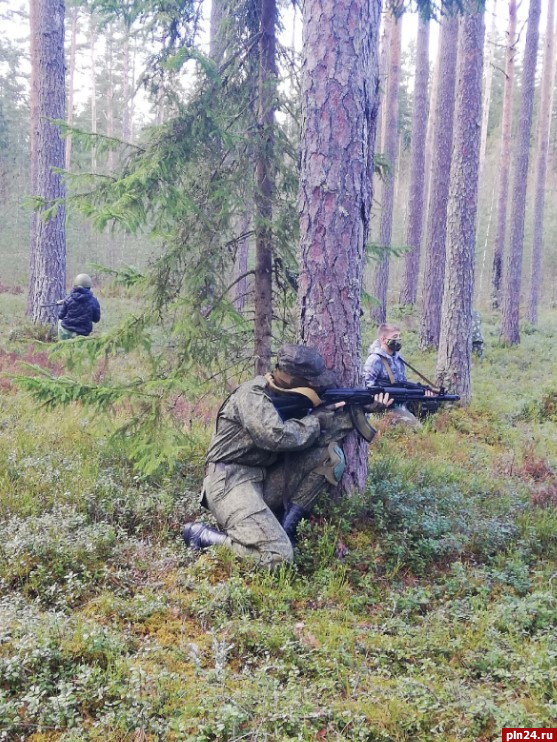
78,310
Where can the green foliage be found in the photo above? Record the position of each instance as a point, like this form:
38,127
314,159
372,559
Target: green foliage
53,557
431,597
430,516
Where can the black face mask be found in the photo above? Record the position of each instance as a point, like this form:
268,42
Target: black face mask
394,345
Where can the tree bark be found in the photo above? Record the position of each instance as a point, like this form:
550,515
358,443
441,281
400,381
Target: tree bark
544,125
217,35
409,290
74,15
455,341
241,285
504,159
339,112
488,79
383,78
126,114
92,42
48,236
512,278
390,141
434,271
109,101
264,187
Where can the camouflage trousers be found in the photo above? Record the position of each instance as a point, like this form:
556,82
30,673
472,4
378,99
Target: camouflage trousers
401,415
64,334
245,501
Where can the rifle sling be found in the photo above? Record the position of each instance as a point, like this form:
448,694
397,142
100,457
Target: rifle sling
388,369
408,365
422,377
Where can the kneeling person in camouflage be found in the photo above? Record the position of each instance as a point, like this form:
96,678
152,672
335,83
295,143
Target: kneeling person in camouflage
264,473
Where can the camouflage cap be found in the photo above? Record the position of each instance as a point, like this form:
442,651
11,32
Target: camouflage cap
308,363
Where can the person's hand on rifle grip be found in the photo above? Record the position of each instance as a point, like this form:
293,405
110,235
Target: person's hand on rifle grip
379,404
326,415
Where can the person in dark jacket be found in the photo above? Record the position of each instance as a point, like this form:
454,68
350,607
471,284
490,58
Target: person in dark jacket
78,310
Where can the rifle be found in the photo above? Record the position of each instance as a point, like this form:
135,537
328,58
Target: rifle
299,402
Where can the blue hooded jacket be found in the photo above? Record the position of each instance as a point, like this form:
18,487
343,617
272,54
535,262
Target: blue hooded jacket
79,310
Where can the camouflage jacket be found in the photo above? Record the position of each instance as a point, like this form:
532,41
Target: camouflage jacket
375,373
477,335
249,430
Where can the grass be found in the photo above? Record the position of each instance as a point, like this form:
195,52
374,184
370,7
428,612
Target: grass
425,609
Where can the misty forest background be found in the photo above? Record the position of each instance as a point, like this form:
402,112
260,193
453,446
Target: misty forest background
235,175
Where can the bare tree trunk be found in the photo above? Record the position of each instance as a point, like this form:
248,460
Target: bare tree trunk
434,271
74,14
383,79
219,26
429,145
339,105
110,99
544,124
48,235
92,42
131,95
512,278
390,140
455,341
488,79
369,270
264,188
217,36
241,285
409,290
34,120
126,125
504,158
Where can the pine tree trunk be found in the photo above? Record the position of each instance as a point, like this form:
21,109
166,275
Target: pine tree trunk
217,33
34,119
369,270
241,286
264,188
504,159
455,341
339,105
109,45
488,79
512,278
92,42
409,290
48,236
383,80
390,142
544,124
126,116
74,15
429,144
434,271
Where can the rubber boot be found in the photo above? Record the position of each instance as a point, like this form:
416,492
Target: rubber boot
292,516
200,536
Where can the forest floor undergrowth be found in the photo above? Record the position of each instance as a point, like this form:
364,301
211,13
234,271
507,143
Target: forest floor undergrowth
424,609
